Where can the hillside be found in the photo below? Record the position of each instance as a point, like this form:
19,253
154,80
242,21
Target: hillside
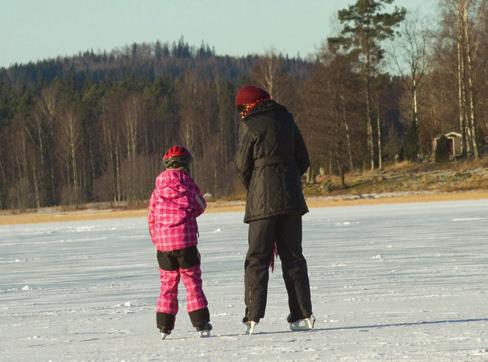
406,177
91,128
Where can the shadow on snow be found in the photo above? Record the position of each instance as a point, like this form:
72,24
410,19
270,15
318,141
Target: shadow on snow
370,326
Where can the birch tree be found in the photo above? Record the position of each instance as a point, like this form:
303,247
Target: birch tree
467,14
42,124
266,73
411,58
112,141
69,142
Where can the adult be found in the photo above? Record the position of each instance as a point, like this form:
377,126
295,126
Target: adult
271,158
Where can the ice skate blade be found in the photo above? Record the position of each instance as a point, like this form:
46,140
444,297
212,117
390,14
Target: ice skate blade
250,326
205,334
306,324
164,335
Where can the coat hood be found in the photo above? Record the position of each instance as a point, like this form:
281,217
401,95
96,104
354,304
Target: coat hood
266,106
172,183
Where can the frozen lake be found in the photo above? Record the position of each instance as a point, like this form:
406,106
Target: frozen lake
389,282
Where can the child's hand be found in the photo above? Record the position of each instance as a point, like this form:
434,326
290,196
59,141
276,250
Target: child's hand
207,195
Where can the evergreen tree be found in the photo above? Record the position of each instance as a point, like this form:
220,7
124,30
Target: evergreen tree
158,50
365,26
411,147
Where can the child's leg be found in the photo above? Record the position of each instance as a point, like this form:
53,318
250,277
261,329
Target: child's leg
167,304
191,275
196,302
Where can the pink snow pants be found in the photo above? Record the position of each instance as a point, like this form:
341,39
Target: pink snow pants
192,280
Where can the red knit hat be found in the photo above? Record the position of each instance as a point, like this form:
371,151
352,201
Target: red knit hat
176,151
249,94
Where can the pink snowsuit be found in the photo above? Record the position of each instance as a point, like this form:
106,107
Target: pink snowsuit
173,208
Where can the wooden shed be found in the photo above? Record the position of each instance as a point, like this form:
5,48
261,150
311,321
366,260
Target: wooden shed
454,143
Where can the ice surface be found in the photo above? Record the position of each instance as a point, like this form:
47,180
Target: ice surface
389,282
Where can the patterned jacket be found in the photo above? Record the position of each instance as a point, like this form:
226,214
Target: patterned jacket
173,208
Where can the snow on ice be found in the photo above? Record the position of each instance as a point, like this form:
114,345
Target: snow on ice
389,282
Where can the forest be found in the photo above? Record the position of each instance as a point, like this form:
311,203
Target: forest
92,127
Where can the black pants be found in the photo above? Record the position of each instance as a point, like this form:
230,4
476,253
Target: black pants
286,231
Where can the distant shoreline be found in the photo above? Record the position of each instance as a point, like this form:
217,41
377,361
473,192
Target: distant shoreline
57,215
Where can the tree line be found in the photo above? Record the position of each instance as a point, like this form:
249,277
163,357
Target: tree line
93,127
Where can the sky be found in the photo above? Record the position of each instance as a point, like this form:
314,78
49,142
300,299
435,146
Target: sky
32,30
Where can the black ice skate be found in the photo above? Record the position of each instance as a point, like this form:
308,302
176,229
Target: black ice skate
204,329
165,333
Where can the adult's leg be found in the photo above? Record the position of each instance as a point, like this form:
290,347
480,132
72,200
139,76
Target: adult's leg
191,275
167,304
256,275
294,266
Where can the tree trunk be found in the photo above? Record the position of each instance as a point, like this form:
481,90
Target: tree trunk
470,74
3,184
309,175
24,170
117,173
41,155
415,113
330,163
92,165
131,119
415,109
36,185
369,121
68,172
73,147
343,176
380,153
111,152
348,136
53,185
461,102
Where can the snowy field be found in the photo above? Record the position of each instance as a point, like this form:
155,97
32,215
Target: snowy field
389,282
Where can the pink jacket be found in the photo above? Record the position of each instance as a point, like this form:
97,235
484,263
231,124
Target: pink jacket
173,208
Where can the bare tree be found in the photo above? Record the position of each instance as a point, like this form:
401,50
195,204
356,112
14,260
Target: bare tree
345,122
20,193
70,140
267,72
411,53
465,11
112,141
467,25
135,172
332,125
42,125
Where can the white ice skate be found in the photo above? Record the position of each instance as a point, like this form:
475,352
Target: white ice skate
303,324
250,325
164,335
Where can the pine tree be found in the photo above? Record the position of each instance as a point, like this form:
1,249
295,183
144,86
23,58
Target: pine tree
411,146
365,26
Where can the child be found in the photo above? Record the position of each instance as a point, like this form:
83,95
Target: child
173,208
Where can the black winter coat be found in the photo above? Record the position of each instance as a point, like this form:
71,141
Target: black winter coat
270,160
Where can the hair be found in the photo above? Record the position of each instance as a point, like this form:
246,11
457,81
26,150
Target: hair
178,162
